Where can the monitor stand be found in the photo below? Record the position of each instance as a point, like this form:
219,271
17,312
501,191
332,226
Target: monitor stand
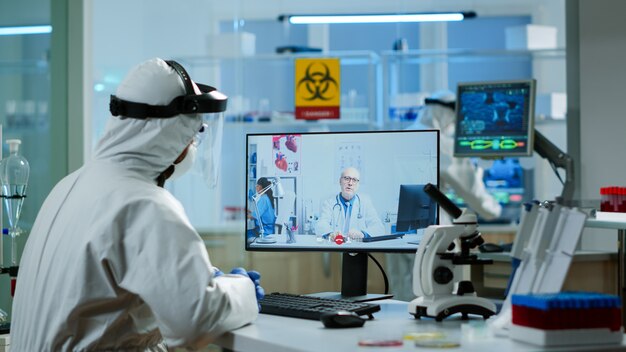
353,281
265,240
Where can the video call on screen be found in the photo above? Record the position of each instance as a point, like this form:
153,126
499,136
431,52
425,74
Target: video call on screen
309,166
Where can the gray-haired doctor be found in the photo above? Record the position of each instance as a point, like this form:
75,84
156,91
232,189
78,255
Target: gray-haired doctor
349,213
112,262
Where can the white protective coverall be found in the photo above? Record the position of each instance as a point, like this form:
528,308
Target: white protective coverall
465,178
112,262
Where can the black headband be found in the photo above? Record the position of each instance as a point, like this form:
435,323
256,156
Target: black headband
447,104
210,101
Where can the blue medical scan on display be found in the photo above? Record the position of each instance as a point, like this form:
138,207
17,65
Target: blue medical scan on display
340,191
495,119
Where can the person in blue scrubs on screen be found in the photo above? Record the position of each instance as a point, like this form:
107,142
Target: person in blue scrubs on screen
265,208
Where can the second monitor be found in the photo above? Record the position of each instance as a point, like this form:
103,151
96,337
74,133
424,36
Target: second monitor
495,119
416,210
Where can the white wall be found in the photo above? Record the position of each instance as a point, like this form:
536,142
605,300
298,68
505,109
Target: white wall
602,95
602,126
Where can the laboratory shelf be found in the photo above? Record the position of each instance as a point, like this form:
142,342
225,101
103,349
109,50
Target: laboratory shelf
463,55
347,57
23,67
258,83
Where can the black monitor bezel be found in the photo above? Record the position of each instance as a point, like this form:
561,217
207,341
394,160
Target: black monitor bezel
431,204
532,83
247,246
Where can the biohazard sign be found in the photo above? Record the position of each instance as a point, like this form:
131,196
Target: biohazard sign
317,88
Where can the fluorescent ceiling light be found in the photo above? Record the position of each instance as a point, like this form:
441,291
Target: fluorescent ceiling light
25,30
378,18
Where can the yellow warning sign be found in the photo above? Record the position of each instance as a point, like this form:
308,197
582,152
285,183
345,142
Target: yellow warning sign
317,88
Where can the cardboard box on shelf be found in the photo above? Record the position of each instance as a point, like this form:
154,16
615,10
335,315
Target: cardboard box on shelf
530,36
551,106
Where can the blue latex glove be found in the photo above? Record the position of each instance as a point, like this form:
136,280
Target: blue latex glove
217,272
256,279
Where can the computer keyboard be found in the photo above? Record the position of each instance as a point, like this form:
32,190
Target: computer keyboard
383,237
308,307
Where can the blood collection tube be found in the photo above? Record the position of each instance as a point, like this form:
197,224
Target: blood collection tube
613,196
604,199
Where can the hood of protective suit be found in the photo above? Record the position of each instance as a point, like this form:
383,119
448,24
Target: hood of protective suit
437,116
441,118
148,146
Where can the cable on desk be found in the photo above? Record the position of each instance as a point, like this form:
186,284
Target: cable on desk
382,271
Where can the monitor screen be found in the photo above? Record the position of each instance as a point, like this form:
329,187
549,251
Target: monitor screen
495,119
341,191
416,210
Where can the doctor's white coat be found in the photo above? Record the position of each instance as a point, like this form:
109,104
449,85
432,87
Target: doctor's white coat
332,217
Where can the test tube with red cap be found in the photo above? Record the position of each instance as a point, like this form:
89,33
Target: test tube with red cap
613,199
605,204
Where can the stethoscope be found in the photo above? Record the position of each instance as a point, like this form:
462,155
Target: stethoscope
338,203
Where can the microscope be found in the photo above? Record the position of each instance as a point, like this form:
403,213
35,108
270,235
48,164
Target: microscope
437,267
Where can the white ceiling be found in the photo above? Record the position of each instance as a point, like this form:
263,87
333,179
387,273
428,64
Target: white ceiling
26,12
270,9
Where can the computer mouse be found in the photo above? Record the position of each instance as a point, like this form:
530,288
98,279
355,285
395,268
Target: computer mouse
490,248
342,319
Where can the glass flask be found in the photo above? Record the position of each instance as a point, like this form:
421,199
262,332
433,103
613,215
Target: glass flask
14,172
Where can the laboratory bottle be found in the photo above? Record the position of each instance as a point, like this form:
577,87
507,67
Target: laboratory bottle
14,172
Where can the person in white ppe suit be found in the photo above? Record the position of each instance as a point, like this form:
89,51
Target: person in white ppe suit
112,261
348,212
460,174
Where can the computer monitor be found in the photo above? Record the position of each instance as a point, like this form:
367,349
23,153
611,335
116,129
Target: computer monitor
416,210
309,168
495,119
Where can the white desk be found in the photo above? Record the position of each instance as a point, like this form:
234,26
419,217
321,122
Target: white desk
276,334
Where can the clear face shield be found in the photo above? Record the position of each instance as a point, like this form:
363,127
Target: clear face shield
208,142
199,100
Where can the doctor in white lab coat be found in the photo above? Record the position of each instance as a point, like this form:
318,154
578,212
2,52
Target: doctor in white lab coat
348,212
112,262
